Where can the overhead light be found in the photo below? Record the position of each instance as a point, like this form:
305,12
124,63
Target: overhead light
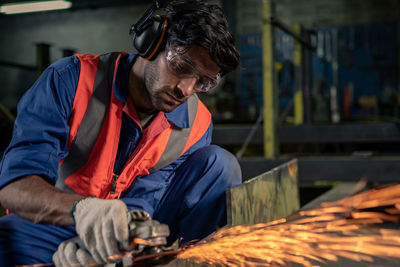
34,6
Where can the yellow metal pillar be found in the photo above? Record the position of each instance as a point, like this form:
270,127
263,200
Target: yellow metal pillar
270,96
298,93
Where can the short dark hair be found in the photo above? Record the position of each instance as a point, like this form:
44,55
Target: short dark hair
197,23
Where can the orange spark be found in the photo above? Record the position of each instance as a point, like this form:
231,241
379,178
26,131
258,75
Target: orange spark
343,229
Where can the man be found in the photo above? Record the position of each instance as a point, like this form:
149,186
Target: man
102,143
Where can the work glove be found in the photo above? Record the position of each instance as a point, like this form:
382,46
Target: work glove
72,253
102,225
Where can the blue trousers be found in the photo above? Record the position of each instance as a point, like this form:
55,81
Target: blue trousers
193,204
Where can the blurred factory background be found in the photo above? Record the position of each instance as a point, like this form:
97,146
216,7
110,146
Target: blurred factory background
319,80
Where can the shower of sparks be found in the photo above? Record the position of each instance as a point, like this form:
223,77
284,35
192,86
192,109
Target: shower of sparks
343,229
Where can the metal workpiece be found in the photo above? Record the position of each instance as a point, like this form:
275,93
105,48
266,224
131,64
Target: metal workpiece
270,196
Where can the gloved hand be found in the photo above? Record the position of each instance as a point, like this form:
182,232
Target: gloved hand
72,253
101,225
141,226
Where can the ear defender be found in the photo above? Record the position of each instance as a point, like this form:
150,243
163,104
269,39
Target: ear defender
150,31
149,40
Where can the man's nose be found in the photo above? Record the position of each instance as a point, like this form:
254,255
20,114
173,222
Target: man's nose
186,86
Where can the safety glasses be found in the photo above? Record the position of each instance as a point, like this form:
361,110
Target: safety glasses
182,66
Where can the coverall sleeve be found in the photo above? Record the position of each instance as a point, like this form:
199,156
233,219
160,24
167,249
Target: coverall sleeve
146,191
41,129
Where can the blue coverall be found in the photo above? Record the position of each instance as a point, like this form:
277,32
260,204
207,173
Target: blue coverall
188,195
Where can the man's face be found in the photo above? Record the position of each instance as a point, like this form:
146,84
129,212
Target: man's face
170,80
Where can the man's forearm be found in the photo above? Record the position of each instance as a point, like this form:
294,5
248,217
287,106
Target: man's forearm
33,198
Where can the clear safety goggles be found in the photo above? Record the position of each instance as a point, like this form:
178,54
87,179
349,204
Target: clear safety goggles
183,66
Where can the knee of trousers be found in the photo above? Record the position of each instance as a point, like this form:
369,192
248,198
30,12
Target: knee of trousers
221,162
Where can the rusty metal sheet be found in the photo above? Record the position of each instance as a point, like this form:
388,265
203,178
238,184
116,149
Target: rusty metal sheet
269,196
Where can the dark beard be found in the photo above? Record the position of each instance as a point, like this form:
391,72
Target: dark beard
157,95
160,99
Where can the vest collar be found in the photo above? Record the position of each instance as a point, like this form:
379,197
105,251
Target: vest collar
179,116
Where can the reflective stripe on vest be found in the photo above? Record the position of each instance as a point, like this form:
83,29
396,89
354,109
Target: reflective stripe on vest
102,114
93,118
178,138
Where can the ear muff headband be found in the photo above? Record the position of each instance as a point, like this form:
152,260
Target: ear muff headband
160,40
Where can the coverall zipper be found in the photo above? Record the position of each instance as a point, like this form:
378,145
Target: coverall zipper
114,183
115,177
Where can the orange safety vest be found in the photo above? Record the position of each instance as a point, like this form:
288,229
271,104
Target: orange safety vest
95,126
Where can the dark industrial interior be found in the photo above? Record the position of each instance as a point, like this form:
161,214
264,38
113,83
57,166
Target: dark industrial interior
331,80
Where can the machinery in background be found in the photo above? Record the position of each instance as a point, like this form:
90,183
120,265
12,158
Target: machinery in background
354,74
345,125
367,71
